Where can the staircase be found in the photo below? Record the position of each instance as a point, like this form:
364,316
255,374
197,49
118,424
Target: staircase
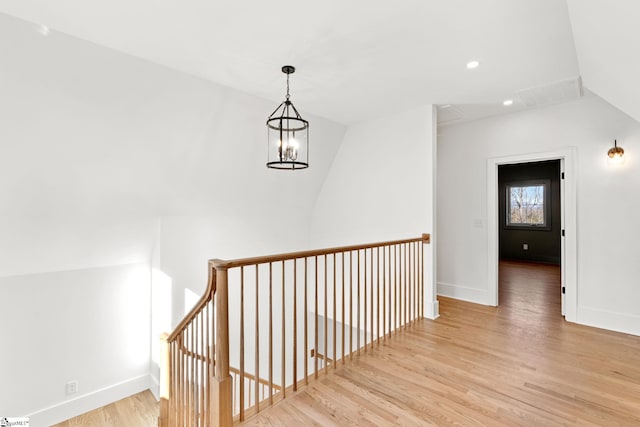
267,326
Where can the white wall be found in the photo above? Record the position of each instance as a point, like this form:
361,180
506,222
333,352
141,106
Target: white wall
41,243
381,185
607,291
89,325
188,242
109,161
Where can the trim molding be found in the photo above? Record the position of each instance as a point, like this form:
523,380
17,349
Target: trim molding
569,264
96,399
433,310
603,319
478,296
154,387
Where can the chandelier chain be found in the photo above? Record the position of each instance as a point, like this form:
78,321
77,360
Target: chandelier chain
287,87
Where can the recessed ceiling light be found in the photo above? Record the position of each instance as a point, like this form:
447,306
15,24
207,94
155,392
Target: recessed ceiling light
473,64
507,102
44,30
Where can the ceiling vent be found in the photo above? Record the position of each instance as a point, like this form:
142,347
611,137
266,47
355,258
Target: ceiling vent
552,93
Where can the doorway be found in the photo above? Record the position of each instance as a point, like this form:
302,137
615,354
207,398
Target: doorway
568,271
529,235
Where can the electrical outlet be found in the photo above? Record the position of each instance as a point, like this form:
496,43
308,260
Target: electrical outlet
72,387
525,246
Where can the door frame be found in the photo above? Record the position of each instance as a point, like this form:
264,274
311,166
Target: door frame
568,204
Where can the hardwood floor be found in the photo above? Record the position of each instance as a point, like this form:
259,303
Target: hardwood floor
516,364
531,287
139,410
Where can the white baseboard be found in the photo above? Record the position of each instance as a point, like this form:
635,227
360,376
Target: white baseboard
88,402
154,386
589,316
603,319
478,296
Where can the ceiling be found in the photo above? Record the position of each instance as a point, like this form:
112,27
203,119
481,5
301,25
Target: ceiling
535,97
608,45
356,59
361,59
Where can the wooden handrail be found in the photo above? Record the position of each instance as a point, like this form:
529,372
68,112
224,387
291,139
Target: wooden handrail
217,263
197,308
243,262
198,388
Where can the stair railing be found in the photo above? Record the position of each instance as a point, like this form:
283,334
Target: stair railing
320,308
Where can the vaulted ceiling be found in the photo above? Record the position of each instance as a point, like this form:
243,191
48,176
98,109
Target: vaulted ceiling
608,45
361,59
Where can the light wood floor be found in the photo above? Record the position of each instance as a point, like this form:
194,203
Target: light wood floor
518,364
139,410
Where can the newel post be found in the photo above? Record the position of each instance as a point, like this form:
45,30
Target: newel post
429,282
163,419
222,409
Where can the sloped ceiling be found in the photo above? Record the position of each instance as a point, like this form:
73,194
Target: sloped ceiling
356,59
87,131
607,42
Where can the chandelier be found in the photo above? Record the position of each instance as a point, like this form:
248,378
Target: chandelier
288,134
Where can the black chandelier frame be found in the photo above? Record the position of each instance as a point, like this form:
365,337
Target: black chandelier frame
282,126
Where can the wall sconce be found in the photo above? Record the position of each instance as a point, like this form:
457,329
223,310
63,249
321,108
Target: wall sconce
615,153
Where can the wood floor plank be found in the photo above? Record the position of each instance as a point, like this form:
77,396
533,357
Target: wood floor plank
519,364
139,410
516,364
